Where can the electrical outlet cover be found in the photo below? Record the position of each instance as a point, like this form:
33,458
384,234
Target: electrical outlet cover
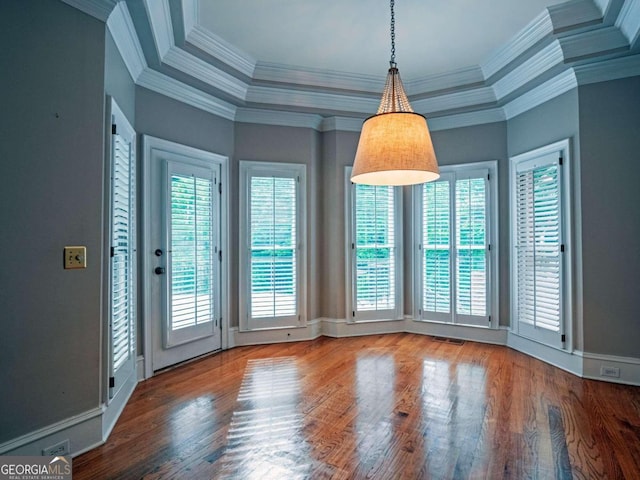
75,257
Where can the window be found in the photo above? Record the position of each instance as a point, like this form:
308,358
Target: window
122,281
272,237
193,266
455,279
374,243
539,185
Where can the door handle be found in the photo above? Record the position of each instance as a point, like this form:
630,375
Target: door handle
158,252
159,270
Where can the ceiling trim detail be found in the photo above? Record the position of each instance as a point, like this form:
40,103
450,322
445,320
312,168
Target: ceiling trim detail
567,45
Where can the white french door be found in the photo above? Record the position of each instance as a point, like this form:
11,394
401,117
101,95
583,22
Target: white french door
183,252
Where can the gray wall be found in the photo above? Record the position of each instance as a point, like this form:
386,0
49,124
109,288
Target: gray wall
52,86
117,81
550,122
291,145
610,160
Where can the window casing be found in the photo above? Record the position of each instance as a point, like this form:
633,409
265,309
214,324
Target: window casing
540,251
373,251
455,246
272,245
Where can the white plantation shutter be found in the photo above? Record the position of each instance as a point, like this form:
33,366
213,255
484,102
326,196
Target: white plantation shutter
273,247
192,245
453,213
538,244
123,299
272,257
436,245
122,242
471,245
374,252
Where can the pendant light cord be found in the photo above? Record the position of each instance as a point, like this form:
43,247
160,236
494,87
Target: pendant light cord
393,35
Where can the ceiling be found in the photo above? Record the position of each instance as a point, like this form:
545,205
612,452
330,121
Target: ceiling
432,36
322,63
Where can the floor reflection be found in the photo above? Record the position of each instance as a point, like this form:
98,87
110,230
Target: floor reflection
265,438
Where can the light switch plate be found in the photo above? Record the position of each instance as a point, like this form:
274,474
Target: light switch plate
75,257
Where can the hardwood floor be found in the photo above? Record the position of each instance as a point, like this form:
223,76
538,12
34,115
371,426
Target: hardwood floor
397,406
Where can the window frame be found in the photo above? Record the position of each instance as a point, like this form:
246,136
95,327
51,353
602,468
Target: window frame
249,169
554,340
352,313
454,172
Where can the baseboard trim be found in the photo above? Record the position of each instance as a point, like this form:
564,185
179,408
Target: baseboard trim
140,367
81,430
116,405
568,361
629,368
275,335
339,327
461,332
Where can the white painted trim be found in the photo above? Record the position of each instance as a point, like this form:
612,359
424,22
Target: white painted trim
190,15
529,36
278,117
536,65
573,14
608,70
628,21
177,90
149,146
338,328
550,89
310,331
466,98
308,99
562,359
595,42
468,119
494,336
344,124
116,405
159,15
217,47
205,72
99,9
277,73
124,34
140,368
81,430
629,368
444,81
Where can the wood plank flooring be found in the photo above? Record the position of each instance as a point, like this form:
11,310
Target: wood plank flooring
397,406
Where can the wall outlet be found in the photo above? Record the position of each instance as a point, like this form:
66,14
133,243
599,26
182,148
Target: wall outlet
610,372
57,450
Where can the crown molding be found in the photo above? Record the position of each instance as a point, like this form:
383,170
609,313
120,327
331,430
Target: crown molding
190,15
273,72
160,20
172,88
100,9
607,70
277,117
573,14
451,101
628,21
310,99
542,93
205,72
445,81
535,31
468,119
124,34
342,124
600,41
215,46
545,59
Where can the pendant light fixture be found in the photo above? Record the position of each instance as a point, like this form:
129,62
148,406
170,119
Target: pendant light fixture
395,145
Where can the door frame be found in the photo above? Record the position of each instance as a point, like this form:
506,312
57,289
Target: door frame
149,146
